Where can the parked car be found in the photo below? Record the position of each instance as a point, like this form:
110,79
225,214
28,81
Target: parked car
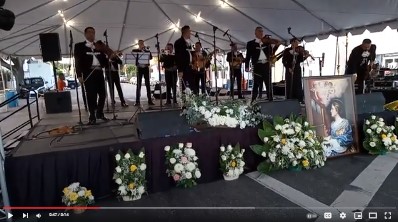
35,85
71,83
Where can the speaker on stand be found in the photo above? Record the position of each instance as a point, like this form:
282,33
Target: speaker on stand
56,102
51,51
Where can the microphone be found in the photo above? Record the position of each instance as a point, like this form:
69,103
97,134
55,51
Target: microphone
196,35
106,32
323,59
225,33
289,29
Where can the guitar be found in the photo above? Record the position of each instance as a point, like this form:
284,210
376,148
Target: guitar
199,61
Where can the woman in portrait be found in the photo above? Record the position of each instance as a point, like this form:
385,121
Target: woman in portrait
340,138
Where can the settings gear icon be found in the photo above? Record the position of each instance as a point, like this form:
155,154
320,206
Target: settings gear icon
343,215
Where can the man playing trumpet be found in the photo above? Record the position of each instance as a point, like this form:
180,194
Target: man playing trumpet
292,57
235,60
167,58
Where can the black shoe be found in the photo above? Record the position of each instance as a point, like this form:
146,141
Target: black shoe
102,117
167,104
241,97
125,105
137,104
151,103
91,122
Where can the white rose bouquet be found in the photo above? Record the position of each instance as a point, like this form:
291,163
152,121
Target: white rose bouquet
379,138
181,165
289,143
130,174
231,161
76,195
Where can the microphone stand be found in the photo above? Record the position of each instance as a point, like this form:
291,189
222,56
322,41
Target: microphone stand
232,76
111,83
76,81
160,75
215,61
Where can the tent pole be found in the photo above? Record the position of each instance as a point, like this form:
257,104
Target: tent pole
336,62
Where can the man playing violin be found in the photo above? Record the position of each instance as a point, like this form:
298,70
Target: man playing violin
169,64
200,63
292,57
259,52
143,71
235,60
89,61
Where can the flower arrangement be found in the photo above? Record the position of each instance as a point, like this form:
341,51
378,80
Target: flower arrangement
230,113
231,161
289,143
130,175
182,165
379,138
76,195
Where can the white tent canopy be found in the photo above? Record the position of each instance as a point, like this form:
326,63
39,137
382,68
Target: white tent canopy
126,21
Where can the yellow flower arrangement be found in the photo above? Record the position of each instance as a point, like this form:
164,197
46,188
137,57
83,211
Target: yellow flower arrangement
231,161
130,174
75,195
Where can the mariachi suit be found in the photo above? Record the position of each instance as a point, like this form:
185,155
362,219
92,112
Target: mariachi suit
183,58
93,77
114,80
143,71
200,75
261,68
293,87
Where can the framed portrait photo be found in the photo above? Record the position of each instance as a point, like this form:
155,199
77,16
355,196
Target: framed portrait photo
330,107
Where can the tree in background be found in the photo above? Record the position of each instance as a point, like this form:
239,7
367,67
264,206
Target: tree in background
130,70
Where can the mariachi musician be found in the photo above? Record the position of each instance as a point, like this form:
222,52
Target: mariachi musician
235,60
169,64
142,71
260,52
292,57
200,62
114,80
183,55
90,59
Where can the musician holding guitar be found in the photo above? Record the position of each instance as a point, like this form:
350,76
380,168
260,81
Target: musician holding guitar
200,62
235,60
358,63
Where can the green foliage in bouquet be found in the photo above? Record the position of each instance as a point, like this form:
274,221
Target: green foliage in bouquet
288,143
379,138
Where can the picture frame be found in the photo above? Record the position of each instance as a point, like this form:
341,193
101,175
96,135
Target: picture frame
331,108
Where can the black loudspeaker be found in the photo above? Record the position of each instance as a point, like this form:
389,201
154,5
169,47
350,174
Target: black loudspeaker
283,108
50,47
370,102
161,124
58,102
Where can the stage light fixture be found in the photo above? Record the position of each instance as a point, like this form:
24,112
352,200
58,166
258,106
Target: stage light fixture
198,18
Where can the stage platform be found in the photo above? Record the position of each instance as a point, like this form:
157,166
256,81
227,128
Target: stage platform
42,165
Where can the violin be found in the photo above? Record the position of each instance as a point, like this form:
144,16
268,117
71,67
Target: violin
300,49
102,47
268,40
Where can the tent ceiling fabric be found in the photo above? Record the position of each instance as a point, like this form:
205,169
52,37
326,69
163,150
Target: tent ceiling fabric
127,21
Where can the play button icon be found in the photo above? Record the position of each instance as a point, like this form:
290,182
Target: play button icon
9,215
